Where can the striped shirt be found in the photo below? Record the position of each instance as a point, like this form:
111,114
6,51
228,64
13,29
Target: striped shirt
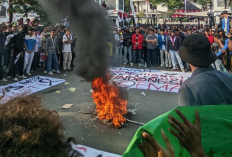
30,42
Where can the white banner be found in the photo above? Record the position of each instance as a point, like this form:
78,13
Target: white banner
158,80
27,87
90,152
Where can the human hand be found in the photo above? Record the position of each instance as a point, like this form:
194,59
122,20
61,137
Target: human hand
58,52
21,53
224,51
188,134
151,148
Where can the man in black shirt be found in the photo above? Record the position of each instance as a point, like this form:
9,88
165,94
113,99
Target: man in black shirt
104,5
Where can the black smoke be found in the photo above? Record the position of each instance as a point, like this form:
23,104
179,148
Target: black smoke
90,24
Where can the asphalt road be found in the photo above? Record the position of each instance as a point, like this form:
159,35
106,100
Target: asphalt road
88,130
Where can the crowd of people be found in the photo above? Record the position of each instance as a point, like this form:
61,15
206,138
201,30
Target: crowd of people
154,46
26,46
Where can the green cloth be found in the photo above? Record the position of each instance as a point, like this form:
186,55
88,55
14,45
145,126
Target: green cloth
216,130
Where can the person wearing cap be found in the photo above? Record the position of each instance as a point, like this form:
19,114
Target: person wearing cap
30,45
225,22
137,40
173,46
206,86
127,45
119,45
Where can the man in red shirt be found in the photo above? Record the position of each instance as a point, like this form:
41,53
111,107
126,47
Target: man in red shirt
137,40
209,36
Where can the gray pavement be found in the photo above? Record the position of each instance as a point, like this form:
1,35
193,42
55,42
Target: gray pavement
88,130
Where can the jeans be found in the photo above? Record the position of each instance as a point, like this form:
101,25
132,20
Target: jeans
152,57
145,54
14,64
175,55
162,57
118,55
135,53
168,60
219,65
129,50
52,59
28,58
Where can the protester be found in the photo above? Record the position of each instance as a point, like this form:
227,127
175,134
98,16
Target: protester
38,45
137,40
30,45
173,46
127,44
119,46
67,52
145,46
206,86
208,35
51,48
152,53
225,22
26,124
162,47
2,42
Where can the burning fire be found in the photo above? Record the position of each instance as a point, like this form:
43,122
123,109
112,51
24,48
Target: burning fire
110,106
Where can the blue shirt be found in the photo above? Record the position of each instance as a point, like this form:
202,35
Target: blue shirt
30,42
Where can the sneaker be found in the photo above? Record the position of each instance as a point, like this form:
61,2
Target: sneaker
124,63
45,71
139,64
8,77
58,71
15,79
65,75
183,71
29,74
161,66
3,80
53,71
23,77
50,73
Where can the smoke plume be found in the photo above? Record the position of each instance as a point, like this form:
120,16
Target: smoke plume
89,23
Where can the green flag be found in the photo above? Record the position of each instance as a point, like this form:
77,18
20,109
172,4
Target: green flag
216,130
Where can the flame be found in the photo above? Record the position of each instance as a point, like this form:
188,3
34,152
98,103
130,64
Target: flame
110,106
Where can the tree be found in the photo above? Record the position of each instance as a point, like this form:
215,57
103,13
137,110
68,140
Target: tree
18,6
171,4
127,6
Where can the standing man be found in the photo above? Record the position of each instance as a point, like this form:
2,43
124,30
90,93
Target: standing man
51,48
37,51
2,42
152,56
119,45
206,86
173,46
137,40
67,52
127,44
157,46
180,35
162,48
29,45
145,46
225,22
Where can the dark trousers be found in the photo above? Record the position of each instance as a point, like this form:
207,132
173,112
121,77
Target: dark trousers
7,57
152,57
21,65
36,58
1,68
73,57
145,54
158,56
137,52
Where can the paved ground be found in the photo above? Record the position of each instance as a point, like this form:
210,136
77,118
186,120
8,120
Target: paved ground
91,132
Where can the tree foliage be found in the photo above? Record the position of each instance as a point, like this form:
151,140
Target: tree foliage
127,6
27,6
171,4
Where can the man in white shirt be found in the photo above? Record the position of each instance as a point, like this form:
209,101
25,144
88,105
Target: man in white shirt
67,52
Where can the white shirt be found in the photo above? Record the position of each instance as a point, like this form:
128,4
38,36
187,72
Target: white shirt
66,47
38,43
